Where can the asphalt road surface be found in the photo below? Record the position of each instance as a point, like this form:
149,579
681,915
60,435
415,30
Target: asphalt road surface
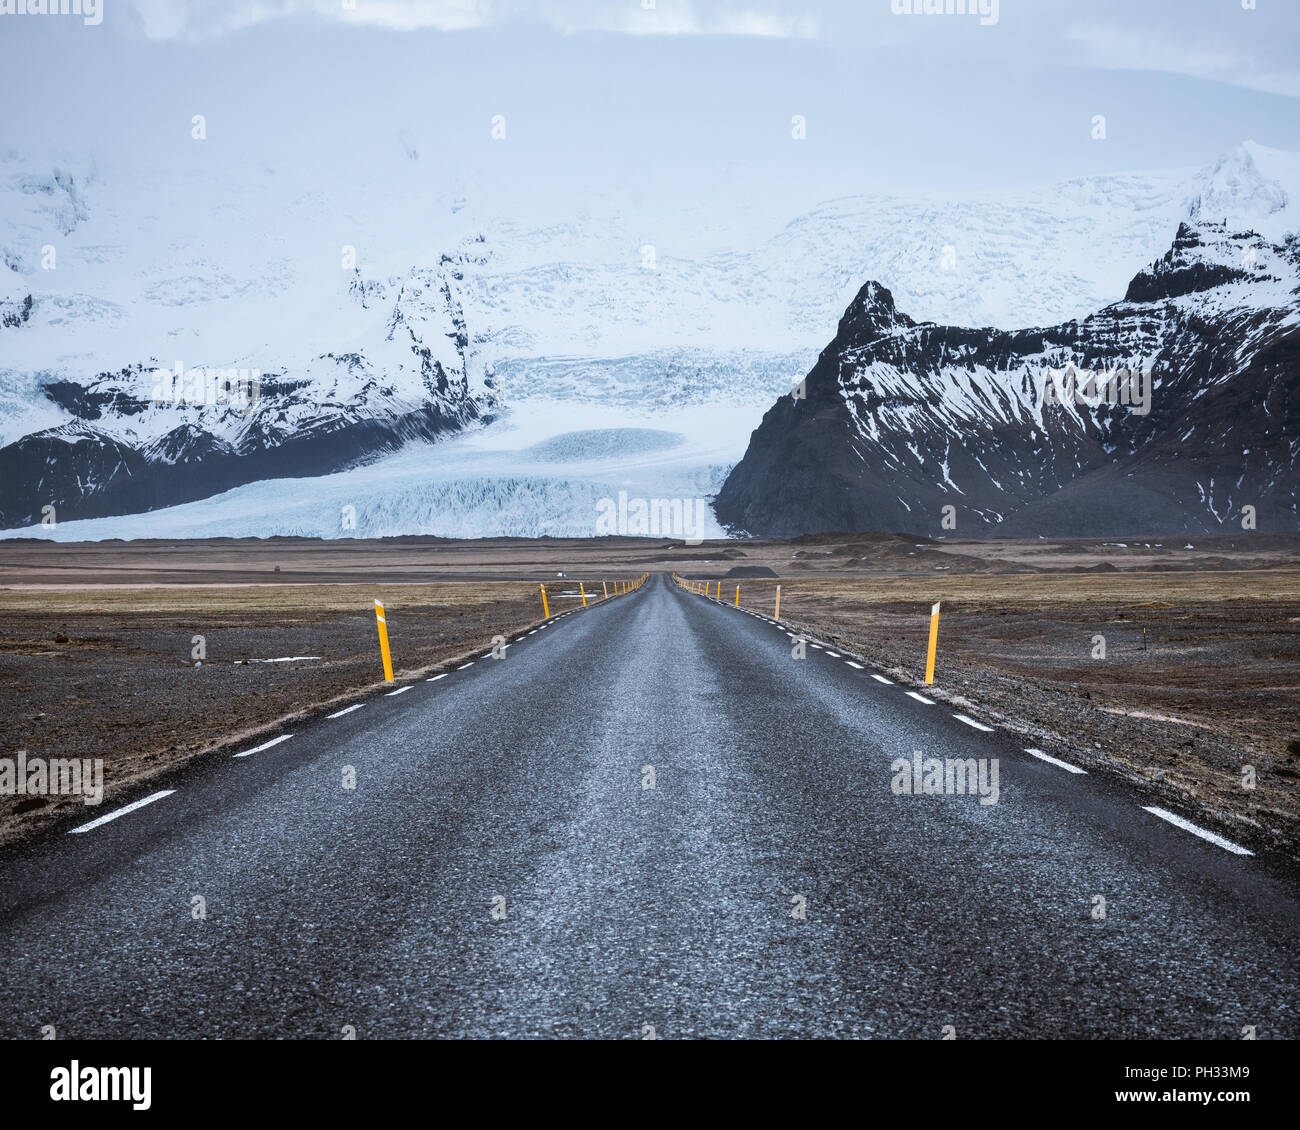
501,868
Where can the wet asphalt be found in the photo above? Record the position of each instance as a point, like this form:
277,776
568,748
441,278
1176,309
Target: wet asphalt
502,868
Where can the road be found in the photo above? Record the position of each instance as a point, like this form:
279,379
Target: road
502,869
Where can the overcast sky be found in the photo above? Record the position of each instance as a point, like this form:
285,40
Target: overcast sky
691,97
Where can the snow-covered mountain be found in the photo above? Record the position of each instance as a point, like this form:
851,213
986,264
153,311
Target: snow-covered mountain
1175,410
553,358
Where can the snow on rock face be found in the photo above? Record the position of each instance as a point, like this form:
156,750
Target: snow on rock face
907,423
151,435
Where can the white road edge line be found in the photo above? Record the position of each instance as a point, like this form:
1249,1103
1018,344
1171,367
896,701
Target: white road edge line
920,698
345,710
972,722
400,690
882,679
850,662
1038,753
1188,826
832,654
464,665
436,678
121,812
265,745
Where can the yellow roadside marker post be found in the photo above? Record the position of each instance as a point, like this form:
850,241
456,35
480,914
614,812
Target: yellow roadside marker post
584,594
545,609
737,596
777,614
934,640
383,641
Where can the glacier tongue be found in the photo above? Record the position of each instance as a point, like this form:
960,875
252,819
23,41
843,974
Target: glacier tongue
542,472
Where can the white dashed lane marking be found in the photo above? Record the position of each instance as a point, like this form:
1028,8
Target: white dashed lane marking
1038,753
436,678
121,812
400,690
265,745
972,722
464,665
1177,821
1188,826
346,710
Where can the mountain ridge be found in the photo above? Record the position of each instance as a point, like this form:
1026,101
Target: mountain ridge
907,425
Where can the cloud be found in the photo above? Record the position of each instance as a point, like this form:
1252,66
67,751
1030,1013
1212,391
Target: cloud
1108,46
197,20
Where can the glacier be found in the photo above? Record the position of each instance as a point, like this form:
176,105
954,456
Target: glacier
618,348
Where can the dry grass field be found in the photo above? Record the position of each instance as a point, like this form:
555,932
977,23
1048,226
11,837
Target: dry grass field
110,672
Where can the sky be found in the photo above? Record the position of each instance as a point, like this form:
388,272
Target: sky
659,101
